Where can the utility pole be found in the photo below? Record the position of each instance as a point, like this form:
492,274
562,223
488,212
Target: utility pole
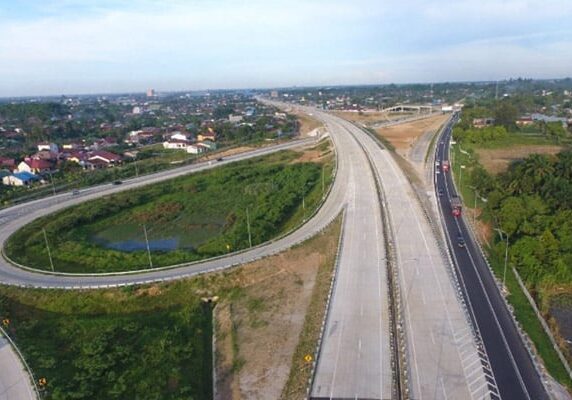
248,227
147,244
52,180
136,169
323,183
500,231
49,252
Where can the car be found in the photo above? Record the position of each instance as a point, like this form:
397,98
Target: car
219,159
437,163
117,182
440,192
75,192
460,240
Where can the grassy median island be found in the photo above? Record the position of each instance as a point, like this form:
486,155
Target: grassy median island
186,219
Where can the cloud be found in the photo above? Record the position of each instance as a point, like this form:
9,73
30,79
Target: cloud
88,45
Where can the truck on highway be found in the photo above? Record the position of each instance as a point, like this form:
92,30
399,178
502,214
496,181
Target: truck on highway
445,165
456,206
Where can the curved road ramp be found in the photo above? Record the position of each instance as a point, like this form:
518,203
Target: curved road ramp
15,383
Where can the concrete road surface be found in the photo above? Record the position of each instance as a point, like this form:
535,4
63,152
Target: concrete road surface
355,358
443,358
14,381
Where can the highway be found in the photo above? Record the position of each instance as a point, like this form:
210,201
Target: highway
442,355
512,367
356,359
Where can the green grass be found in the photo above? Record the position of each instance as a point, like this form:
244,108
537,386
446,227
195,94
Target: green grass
527,317
114,344
522,139
205,211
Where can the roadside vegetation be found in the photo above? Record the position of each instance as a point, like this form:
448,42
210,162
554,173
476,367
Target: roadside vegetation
529,203
155,341
200,215
150,342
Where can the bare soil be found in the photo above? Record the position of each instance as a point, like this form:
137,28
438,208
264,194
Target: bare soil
316,154
258,330
307,123
497,161
368,118
404,136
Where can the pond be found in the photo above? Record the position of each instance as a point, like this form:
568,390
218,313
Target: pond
168,244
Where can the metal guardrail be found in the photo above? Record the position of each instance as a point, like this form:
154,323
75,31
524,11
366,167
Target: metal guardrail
21,357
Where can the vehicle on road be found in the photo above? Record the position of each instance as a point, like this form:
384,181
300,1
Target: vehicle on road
219,159
118,182
460,240
456,206
445,166
440,192
75,192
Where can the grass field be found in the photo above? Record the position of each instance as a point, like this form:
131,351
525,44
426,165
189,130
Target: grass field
196,217
147,343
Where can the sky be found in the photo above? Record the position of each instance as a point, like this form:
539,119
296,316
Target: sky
103,46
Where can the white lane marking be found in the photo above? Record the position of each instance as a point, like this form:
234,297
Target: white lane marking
432,337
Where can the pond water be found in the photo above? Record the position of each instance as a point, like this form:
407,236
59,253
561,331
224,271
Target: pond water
168,244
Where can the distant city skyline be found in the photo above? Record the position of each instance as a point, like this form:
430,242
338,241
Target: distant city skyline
110,46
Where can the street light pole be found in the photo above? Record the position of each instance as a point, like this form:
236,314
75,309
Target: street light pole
248,227
48,247
147,244
500,231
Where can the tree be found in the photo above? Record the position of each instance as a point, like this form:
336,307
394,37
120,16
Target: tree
505,115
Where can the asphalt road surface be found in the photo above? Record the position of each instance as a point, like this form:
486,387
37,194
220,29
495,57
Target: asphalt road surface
514,371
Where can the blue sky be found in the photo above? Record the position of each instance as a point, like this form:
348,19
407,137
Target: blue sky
89,46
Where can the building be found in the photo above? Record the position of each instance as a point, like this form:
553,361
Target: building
52,147
525,121
207,144
20,179
196,148
6,162
105,156
34,166
208,135
150,92
235,118
136,110
176,144
178,136
483,122
274,94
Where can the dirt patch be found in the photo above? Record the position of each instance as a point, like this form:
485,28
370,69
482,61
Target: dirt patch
368,118
307,123
151,291
497,161
404,136
317,154
259,329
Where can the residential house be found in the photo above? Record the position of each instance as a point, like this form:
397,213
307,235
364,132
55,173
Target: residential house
208,135
177,135
196,148
525,121
235,118
6,162
482,122
107,157
20,179
72,146
175,144
34,166
208,144
51,147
